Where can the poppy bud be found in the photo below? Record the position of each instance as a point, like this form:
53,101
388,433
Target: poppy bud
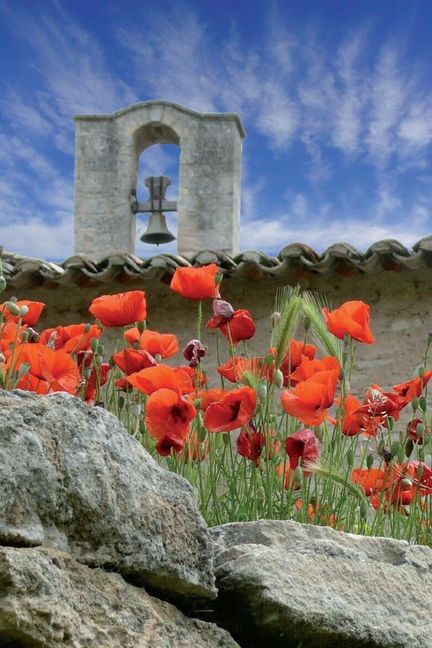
262,391
12,308
409,447
407,482
141,326
369,461
307,322
193,352
278,378
298,474
87,328
350,458
422,371
23,310
25,368
86,373
2,283
202,432
275,318
363,509
135,409
94,343
100,349
423,403
394,448
420,430
415,403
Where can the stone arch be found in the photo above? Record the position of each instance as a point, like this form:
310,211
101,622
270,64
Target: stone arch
106,161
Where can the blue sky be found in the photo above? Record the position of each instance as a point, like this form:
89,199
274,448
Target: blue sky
335,96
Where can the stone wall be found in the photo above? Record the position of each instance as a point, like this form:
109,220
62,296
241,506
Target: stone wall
401,306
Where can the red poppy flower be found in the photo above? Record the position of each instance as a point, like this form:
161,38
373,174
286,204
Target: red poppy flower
100,376
72,339
168,418
133,360
209,396
233,410
250,443
302,445
53,370
240,327
9,333
412,388
398,484
382,404
370,479
352,318
308,401
315,513
31,318
235,368
296,354
308,368
163,344
154,378
412,433
195,283
355,421
121,309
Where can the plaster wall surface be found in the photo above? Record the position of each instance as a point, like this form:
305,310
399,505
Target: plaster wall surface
106,166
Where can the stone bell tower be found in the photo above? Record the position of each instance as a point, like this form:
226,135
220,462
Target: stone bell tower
106,168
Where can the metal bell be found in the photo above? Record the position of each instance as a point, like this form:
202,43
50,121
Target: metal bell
157,231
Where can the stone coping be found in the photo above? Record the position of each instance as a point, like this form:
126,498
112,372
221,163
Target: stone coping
156,103
294,262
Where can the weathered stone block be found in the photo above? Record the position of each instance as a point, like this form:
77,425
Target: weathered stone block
71,477
281,583
47,600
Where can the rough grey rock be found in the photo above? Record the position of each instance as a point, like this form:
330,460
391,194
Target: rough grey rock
71,477
281,583
47,599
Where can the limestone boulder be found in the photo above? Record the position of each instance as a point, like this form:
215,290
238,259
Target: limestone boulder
47,599
282,583
71,477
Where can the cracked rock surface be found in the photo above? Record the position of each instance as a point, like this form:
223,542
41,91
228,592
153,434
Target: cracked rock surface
48,599
281,583
72,478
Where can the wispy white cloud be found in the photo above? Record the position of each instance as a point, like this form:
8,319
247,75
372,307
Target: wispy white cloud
337,104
